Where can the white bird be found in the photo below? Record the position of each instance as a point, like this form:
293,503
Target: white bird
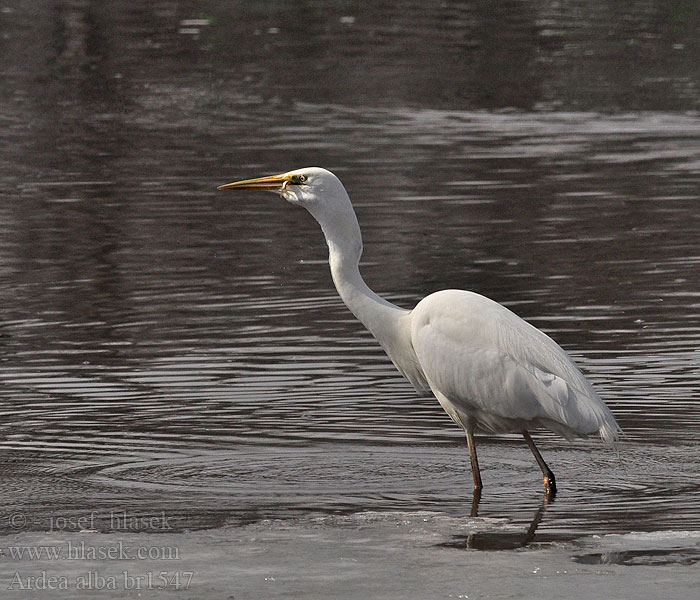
489,369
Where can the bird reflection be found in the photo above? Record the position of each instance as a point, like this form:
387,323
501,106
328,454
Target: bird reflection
500,540
548,497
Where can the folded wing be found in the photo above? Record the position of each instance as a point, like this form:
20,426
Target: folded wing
500,371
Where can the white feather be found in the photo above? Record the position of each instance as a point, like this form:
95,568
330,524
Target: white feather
501,372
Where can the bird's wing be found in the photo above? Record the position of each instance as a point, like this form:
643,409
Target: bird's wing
488,362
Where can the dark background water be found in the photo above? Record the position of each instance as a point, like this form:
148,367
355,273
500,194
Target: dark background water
164,346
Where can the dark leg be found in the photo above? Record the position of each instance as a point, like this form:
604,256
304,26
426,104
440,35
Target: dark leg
476,474
548,477
476,498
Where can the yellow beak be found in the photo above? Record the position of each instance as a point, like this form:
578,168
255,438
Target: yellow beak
271,182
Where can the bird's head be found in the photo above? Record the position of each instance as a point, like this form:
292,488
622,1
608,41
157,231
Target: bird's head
321,193
312,187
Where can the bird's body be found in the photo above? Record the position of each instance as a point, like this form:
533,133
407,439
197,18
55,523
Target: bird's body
489,369
461,339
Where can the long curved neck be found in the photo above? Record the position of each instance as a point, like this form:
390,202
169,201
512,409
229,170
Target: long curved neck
345,248
389,324
375,313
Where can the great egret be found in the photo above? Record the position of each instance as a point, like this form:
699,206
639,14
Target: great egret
490,370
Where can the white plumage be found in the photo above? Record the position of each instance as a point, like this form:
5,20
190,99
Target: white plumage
489,369
486,363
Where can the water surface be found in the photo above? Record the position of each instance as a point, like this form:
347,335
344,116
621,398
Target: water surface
165,346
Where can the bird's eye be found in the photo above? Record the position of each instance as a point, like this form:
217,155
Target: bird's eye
299,179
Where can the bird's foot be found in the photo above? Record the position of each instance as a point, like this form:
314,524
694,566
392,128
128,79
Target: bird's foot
550,486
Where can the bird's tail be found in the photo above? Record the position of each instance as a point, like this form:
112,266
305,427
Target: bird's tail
600,418
610,431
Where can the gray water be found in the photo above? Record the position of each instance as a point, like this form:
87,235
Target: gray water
168,347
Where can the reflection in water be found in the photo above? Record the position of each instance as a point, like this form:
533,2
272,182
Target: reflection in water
497,539
162,347
548,497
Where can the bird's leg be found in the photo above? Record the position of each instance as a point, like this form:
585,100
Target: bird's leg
476,498
472,458
548,477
